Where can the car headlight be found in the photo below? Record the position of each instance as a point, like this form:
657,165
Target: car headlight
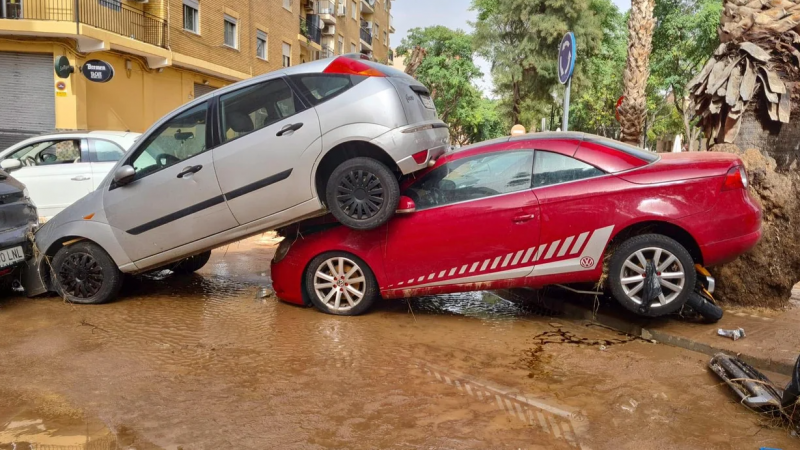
282,250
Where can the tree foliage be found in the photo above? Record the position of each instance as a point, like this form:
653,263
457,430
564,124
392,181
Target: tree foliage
449,71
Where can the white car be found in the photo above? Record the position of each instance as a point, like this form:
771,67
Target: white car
58,169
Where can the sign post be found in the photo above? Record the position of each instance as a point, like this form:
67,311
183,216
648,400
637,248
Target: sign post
566,66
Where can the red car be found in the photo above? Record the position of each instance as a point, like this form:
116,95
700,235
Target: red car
530,211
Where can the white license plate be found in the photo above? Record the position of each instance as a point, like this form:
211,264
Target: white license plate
11,256
426,100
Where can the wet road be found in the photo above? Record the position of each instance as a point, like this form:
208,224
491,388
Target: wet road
203,363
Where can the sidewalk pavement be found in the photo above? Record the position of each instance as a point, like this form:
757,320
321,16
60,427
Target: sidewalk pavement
772,339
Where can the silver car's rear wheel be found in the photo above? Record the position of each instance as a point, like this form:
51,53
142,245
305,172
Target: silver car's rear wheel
362,193
340,284
674,271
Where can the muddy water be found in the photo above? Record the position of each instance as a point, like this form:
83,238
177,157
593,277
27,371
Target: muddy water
204,362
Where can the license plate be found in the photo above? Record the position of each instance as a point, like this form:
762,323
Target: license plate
426,100
11,256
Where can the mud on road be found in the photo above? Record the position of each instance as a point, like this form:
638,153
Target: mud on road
203,362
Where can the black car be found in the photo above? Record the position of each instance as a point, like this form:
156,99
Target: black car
18,220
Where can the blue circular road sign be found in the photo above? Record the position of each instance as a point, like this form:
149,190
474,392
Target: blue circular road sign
566,58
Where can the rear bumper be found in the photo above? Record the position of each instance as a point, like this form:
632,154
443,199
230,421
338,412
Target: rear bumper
401,143
17,237
726,251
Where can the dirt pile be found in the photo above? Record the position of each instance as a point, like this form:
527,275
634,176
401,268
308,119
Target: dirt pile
765,275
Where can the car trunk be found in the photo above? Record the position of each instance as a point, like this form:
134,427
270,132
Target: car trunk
683,166
417,102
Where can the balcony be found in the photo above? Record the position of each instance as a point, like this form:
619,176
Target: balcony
326,53
309,28
366,38
367,7
391,23
109,15
326,9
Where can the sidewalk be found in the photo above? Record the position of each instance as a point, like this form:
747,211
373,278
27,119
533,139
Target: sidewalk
772,342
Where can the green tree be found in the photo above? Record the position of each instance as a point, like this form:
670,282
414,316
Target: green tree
477,120
520,39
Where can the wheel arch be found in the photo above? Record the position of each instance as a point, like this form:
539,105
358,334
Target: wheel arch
372,268
342,152
661,227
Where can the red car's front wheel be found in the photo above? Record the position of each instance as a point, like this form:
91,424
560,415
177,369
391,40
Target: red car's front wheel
340,283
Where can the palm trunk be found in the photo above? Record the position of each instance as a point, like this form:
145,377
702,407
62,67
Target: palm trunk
640,43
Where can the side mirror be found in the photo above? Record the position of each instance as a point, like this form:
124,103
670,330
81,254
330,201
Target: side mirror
10,164
405,206
124,175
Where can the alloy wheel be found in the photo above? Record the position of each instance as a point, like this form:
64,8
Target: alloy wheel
669,270
80,275
339,283
360,194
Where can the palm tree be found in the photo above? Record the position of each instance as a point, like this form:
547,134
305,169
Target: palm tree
633,110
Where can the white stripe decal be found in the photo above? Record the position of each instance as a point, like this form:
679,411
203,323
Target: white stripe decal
463,269
579,243
539,252
528,255
517,257
496,261
441,274
452,271
474,266
485,265
505,261
410,281
552,249
430,277
421,278
401,283
565,247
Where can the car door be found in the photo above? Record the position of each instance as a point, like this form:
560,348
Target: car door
476,220
174,198
577,215
269,140
56,172
103,156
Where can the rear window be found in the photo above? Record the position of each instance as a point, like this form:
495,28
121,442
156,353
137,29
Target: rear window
622,147
318,88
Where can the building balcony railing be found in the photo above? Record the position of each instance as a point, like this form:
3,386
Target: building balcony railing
310,28
326,53
325,7
367,6
366,35
109,15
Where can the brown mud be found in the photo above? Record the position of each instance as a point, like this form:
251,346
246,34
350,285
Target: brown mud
202,362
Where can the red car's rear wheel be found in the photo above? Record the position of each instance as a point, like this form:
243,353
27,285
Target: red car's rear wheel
674,271
341,284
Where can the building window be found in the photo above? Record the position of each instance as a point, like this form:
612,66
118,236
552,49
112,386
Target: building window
354,7
116,5
287,55
341,45
386,5
287,4
261,44
385,38
191,16
377,31
352,48
231,32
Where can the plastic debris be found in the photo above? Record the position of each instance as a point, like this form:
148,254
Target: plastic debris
733,334
264,293
652,287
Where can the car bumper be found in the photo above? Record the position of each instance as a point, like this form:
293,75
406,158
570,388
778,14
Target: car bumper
404,142
726,251
287,281
17,237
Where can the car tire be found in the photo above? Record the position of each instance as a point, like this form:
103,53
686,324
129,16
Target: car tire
191,264
349,199
84,273
710,312
680,272
331,271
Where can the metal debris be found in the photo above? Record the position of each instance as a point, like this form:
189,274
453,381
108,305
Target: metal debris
733,334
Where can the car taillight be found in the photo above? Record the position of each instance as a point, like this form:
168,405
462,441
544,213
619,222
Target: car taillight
420,157
348,66
736,178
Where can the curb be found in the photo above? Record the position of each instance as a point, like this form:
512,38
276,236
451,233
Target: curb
569,307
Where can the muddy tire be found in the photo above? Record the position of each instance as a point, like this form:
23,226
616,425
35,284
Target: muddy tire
84,273
340,283
675,272
710,312
191,264
362,193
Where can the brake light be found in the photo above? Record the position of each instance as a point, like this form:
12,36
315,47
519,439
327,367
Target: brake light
736,178
420,157
348,66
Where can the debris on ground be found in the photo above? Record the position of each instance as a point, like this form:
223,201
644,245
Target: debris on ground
733,334
757,392
264,292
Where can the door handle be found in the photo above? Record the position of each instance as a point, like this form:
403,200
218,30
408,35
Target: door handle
524,218
190,169
81,178
290,127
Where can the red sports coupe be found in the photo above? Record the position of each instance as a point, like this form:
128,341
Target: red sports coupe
533,210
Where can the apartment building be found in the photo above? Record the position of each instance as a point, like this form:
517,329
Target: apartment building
163,54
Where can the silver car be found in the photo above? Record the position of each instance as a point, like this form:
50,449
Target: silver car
333,134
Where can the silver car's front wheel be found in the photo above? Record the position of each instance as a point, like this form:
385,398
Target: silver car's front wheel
340,284
674,269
